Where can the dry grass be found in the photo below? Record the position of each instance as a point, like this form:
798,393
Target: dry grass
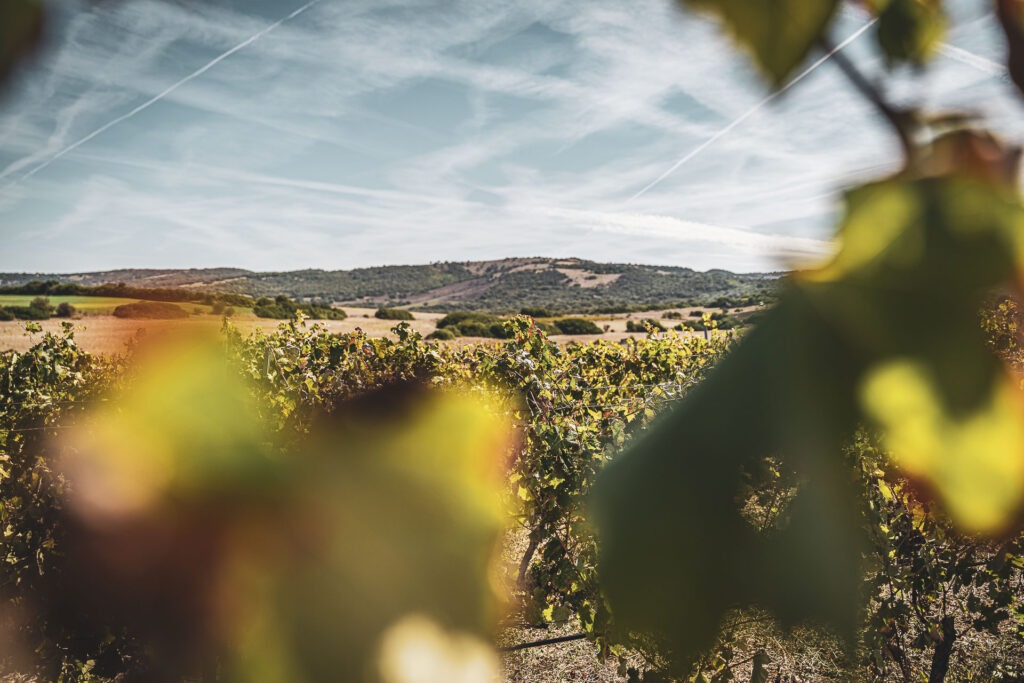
107,334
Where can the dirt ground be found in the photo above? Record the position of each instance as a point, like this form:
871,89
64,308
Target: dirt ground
107,334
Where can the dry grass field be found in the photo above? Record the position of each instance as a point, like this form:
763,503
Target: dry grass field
98,332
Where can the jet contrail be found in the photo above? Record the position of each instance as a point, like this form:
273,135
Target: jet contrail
750,112
164,93
970,59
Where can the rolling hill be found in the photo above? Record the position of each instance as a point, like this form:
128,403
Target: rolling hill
504,286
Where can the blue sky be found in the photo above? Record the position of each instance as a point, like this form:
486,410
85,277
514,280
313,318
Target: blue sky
158,133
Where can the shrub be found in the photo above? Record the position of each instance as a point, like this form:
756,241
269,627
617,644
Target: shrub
546,327
469,324
393,314
644,325
6,314
28,313
283,308
673,315
217,308
577,326
443,334
474,328
151,310
65,310
42,305
536,312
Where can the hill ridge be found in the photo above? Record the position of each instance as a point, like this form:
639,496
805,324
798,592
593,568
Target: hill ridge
501,285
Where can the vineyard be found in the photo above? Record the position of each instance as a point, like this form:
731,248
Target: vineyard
834,494
932,600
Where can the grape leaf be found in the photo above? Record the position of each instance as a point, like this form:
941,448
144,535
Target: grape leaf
910,31
886,331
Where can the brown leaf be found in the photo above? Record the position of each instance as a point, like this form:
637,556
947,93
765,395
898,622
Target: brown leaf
1011,17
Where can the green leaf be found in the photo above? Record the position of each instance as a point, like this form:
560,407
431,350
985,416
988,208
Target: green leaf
887,331
910,31
778,34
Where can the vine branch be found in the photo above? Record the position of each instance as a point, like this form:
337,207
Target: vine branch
896,118
545,641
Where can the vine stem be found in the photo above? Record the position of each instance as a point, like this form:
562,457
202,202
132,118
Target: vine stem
896,118
541,643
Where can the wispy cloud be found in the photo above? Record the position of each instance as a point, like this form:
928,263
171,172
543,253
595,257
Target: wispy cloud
380,131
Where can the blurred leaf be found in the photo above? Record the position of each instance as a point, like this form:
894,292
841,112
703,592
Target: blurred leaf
370,537
1011,18
21,29
778,35
972,460
887,330
909,31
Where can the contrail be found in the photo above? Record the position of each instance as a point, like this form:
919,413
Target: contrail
164,93
970,59
750,112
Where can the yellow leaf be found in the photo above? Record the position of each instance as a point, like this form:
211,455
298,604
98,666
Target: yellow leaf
975,461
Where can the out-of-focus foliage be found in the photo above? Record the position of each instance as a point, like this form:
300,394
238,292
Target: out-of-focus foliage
1011,18
21,29
909,31
175,529
886,333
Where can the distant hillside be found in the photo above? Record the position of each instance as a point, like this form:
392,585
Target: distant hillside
505,286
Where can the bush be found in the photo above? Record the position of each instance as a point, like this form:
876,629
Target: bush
443,334
66,310
150,310
577,326
217,307
42,304
536,312
474,328
546,327
283,308
644,325
28,313
673,315
393,314
469,324
6,314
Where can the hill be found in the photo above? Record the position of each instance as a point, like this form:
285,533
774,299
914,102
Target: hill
504,286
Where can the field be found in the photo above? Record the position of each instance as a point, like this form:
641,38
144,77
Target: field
99,332
86,305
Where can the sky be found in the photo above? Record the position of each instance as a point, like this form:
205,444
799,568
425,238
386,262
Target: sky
287,134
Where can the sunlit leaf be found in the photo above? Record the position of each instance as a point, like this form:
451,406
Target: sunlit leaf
975,461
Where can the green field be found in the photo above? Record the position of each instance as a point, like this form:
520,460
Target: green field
88,305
